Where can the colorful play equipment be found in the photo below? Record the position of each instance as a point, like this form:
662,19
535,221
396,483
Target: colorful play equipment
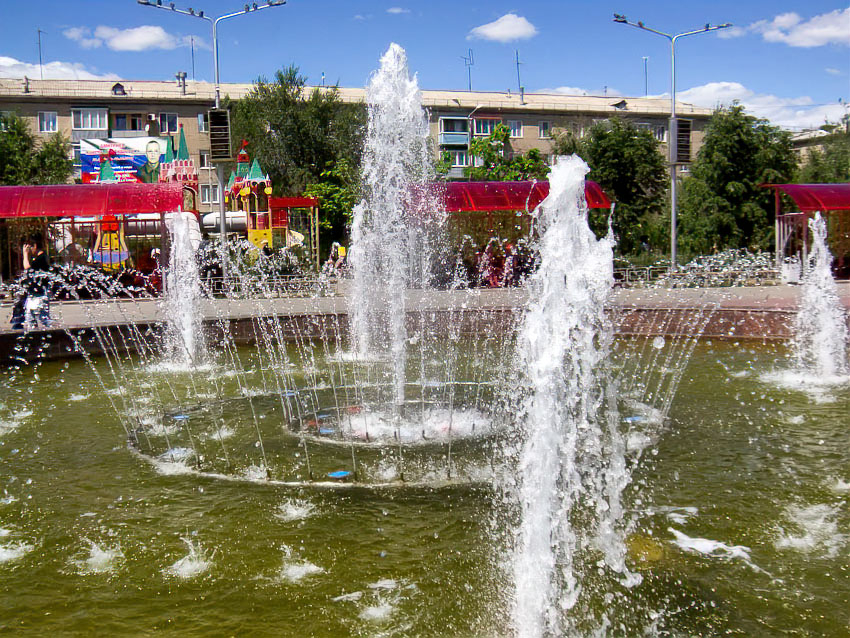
268,221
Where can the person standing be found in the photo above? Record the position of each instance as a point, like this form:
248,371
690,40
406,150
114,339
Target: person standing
36,265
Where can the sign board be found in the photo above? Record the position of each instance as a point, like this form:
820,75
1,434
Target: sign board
133,159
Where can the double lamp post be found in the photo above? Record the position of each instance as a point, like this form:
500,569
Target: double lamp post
673,129
249,8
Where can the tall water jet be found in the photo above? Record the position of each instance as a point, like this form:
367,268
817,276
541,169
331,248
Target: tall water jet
386,242
571,460
181,305
821,324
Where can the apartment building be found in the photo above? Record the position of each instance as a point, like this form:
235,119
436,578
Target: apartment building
106,109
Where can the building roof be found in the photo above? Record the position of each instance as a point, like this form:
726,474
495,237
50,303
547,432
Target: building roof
204,92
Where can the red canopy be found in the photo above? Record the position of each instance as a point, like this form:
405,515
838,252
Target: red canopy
811,198
493,196
88,200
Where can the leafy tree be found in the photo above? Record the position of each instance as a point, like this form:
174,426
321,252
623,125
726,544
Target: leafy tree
23,160
298,135
494,163
830,165
722,205
627,163
337,191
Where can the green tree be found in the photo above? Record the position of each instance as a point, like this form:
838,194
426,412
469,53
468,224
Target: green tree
722,204
494,161
23,160
337,192
830,164
627,163
298,135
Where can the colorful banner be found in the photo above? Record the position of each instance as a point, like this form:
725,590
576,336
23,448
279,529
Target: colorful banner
133,159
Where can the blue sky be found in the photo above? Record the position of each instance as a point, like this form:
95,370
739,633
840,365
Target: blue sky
786,61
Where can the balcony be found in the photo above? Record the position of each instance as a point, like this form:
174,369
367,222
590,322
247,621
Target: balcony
129,133
456,139
88,134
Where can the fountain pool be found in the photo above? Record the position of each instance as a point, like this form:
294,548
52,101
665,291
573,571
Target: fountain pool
741,527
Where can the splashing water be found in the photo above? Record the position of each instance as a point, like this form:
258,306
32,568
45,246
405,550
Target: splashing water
388,242
572,454
185,344
192,564
821,326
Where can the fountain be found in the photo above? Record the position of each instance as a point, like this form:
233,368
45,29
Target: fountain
181,305
440,466
821,326
572,454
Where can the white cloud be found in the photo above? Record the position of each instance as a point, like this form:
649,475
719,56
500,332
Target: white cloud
506,29
143,38
791,29
788,112
832,71
574,90
12,68
397,10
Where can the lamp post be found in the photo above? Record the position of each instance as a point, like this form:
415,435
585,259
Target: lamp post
157,4
673,128
469,122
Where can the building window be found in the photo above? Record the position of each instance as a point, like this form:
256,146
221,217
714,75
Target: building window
128,122
458,158
203,123
118,89
209,194
168,122
516,128
485,126
544,130
453,125
48,122
205,160
89,119
4,117
659,132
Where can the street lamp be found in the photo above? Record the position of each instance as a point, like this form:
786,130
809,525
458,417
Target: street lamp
673,128
157,4
469,126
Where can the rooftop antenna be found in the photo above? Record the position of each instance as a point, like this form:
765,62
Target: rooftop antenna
518,79
40,64
645,76
468,61
193,58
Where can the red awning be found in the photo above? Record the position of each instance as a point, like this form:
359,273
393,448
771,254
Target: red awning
811,198
88,200
524,196
293,202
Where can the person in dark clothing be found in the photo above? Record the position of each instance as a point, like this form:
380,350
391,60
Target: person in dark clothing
36,267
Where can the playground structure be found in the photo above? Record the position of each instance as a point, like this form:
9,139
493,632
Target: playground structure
276,222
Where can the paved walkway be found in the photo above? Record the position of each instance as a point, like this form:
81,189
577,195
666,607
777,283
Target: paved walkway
89,313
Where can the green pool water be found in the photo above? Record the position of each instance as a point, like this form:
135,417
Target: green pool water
740,517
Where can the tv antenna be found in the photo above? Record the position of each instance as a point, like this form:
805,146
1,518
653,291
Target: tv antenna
518,79
40,64
468,62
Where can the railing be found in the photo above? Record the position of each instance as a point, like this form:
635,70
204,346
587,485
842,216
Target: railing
633,277
271,287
